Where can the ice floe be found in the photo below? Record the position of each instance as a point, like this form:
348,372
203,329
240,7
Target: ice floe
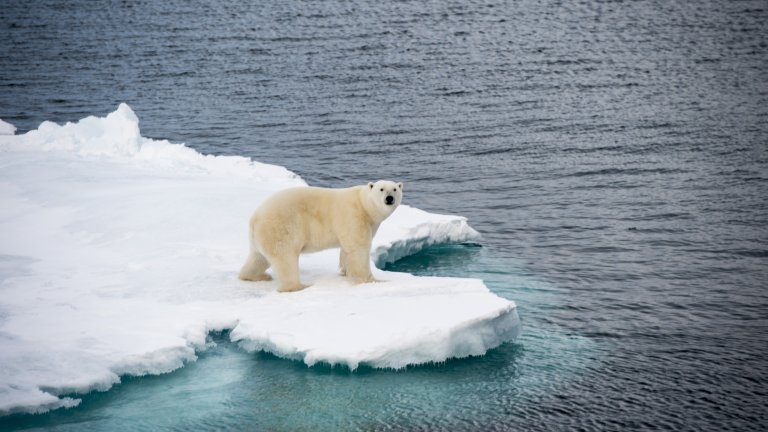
119,255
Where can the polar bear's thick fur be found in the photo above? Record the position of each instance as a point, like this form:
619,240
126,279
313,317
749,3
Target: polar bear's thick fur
310,219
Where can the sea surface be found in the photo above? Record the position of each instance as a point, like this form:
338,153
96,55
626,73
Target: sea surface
614,155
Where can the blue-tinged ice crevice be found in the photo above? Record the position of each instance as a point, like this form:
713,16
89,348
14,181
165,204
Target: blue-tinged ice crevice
409,230
119,255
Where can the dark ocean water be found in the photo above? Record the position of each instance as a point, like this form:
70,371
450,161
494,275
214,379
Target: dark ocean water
613,154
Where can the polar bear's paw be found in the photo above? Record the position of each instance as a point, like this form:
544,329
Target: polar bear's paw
257,278
292,288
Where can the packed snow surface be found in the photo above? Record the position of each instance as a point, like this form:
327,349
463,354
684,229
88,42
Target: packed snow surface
119,254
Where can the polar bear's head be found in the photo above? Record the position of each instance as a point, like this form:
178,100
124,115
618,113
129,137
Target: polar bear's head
385,196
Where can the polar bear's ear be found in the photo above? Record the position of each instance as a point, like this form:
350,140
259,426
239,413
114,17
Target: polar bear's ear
400,186
370,185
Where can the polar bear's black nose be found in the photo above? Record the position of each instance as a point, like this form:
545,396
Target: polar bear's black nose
390,199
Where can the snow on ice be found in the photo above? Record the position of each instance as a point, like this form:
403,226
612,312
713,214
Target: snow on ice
7,128
119,255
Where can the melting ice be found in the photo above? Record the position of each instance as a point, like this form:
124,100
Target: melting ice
119,254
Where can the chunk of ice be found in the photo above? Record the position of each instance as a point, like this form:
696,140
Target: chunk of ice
7,128
119,254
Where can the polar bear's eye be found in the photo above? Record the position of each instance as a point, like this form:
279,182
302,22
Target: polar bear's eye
382,189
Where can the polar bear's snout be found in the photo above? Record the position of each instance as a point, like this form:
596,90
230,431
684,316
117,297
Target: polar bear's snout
389,200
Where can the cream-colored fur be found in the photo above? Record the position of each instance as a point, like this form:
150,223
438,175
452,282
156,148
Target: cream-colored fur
310,219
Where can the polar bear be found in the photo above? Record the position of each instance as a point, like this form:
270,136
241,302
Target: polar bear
310,219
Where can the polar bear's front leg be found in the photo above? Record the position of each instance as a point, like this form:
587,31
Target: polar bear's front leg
358,266
287,270
355,242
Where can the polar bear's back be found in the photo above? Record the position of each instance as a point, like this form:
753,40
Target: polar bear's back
306,199
308,216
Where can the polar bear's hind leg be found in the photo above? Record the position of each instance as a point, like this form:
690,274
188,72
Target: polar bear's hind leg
254,268
342,262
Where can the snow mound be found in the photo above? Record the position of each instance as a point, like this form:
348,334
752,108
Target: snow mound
119,255
7,128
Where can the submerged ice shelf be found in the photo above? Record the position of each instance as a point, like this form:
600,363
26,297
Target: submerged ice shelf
119,255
